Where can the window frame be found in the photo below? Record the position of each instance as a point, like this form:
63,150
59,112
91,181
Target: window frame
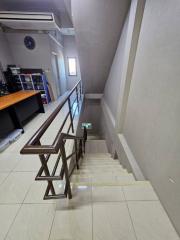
72,75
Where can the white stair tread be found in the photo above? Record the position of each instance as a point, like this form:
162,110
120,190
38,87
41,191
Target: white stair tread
101,164
96,146
101,167
98,155
104,179
97,171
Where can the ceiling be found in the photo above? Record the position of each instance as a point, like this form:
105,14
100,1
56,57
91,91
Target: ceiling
59,7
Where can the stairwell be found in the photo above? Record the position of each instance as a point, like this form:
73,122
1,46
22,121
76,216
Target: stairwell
109,203
99,169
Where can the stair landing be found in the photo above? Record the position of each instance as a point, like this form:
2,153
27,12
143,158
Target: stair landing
109,204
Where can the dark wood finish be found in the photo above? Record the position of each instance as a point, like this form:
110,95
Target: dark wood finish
16,108
13,98
33,146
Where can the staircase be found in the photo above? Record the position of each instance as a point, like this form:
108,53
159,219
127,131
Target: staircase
99,169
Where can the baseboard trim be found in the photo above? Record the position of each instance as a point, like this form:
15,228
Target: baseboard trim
120,144
130,158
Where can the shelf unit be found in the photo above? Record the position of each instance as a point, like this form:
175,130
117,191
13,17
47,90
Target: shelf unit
33,81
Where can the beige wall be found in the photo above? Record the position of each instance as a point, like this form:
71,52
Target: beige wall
115,76
117,88
70,50
152,122
5,52
143,124
40,57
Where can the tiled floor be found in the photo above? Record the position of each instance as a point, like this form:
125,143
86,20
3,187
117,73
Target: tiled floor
123,212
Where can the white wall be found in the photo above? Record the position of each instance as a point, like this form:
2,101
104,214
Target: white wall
5,52
70,50
146,131
40,57
57,49
114,79
152,121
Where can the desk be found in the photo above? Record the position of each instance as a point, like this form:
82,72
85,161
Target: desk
16,108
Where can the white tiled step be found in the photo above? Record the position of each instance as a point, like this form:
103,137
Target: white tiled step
99,171
98,163
104,180
95,175
99,160
102,167
96,146
97,155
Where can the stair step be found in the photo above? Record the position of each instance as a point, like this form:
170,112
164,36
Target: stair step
102,167
100,161
94,175
110,184
97,171
100,164
104,180
97,155
96,146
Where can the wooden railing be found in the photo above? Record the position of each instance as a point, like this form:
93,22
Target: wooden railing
34,146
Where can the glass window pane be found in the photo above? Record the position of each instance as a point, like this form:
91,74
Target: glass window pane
72,66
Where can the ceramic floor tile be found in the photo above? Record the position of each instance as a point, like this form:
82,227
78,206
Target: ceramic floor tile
3,176
8,161
81,196
107,194
33,222
99,163
150,221
7,215
141,191
125,179
104,179
15,187
28,163
72,224
16,146
36,193
112,221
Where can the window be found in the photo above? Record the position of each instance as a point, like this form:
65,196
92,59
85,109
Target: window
72,66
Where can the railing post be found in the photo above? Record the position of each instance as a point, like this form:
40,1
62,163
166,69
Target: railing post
77,97
64,161
80,90
76,150
70,112
46,172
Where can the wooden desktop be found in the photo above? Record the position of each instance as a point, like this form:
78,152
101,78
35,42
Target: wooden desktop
16,108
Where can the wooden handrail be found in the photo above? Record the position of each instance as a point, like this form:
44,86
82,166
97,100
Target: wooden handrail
32,146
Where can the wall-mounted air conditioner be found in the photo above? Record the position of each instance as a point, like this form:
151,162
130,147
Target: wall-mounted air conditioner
29,20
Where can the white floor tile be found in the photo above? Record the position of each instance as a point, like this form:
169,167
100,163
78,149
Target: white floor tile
15,187
141,191
125,179
111,221
81,196
150,221
8,161
107,194
72,224
36,193
3,176
33,222
7,215
28,163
